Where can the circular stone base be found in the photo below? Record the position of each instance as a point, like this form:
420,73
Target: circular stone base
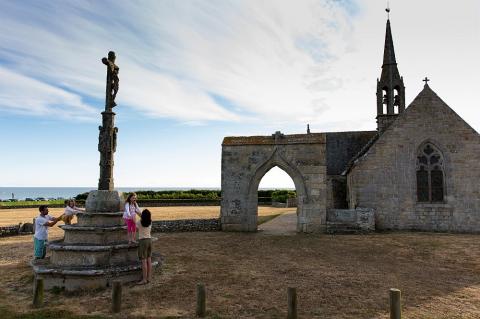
74,279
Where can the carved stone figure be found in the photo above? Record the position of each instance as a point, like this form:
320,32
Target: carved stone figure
112,80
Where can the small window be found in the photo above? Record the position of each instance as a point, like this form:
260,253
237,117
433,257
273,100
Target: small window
430,174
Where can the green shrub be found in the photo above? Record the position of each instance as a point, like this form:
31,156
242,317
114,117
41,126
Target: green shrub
281,196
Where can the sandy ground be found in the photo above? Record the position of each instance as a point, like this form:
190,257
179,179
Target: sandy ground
247,275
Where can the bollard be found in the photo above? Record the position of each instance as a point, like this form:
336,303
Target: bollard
117,296
395,304
292,303
38,293
201,300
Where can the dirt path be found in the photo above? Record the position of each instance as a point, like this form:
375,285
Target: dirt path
285,224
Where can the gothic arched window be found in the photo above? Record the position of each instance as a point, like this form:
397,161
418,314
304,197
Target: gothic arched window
430,176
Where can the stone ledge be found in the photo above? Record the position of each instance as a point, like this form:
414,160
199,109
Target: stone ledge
95,214
90,248
91,228
314,138
47,269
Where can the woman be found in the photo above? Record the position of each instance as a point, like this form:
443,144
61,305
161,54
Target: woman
131,209
145,246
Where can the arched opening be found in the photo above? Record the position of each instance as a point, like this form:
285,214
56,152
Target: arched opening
280,173
396,100
384,100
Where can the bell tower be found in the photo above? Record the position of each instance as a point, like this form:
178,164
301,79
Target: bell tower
390,88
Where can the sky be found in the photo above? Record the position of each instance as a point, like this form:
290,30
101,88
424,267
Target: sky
193,72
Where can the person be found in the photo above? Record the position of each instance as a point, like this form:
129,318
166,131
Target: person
129,215
70,210
40,238
145,245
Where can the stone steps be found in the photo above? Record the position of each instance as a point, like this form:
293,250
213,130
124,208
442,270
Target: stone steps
92,235
343,228
64,255
75,278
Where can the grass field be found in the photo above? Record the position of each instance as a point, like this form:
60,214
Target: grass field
247,276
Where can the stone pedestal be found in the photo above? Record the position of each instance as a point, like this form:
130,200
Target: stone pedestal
94,252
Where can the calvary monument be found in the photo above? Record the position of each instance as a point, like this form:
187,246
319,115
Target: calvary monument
95,251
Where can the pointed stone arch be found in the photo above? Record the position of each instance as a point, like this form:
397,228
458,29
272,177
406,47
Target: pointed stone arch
245,160
277,160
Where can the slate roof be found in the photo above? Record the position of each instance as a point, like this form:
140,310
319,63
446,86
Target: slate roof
342,147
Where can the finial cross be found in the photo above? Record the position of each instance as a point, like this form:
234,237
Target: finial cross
426,80
388,10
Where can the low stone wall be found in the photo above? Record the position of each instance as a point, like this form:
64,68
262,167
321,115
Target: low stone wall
350,220
15,230
177,202
186,225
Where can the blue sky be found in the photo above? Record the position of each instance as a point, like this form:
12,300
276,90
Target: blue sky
192,72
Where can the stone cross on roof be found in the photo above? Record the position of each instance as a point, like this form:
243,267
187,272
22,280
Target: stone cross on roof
426,80
277,136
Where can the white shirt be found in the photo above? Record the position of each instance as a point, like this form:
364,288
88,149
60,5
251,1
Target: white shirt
69,211
129,212
41,231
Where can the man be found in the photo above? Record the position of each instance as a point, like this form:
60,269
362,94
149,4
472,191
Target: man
42,222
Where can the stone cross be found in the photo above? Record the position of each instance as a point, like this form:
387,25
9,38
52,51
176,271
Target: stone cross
277,136
426,80
107,139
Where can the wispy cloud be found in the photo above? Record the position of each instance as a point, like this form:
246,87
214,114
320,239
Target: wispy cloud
267,59
21,94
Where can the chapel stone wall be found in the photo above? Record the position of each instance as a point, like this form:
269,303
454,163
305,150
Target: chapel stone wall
385,177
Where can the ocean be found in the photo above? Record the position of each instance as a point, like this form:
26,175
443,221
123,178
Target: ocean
21,193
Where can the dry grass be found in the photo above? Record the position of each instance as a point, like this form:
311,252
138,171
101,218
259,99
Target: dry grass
22,215
247,276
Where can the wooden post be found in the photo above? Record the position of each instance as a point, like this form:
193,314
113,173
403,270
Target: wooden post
292,303
38,293
201,307
395,304
117,296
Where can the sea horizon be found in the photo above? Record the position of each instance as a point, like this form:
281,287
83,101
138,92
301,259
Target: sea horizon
20,192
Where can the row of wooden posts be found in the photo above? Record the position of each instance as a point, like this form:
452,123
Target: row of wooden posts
201,309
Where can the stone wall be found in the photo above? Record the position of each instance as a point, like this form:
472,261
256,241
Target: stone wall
245,160
186,225
14,230
384,178
350,220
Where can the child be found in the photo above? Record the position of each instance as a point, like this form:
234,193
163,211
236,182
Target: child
70,211
42,222
131,209
145,247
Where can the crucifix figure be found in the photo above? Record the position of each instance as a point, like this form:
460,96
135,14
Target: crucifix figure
112,80
426,80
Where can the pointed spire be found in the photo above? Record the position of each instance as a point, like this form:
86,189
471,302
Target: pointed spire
390,87
389,51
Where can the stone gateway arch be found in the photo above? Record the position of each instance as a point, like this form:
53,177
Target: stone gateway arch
245,160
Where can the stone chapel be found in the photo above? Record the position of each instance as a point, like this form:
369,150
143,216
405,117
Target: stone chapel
419,170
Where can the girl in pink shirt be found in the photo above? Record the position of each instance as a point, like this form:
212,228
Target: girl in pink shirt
131,210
